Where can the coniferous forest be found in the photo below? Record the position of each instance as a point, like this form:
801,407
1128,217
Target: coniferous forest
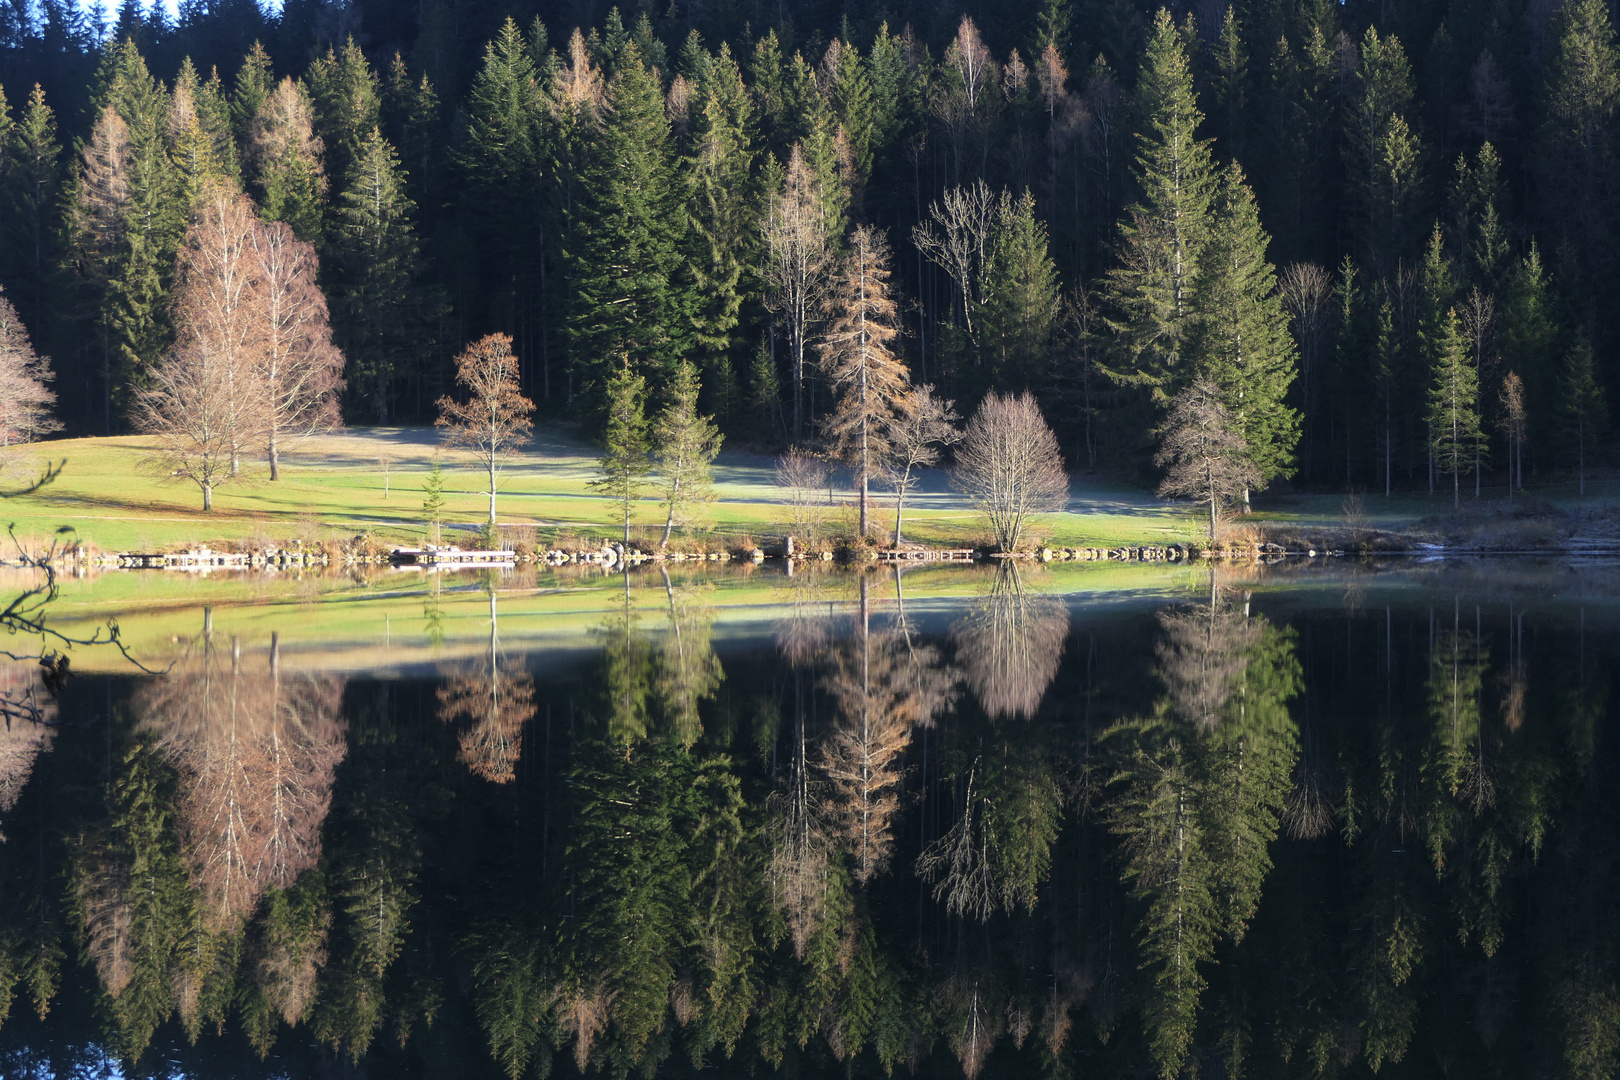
1382,233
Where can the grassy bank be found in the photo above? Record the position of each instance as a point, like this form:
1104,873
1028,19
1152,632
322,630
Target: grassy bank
369,480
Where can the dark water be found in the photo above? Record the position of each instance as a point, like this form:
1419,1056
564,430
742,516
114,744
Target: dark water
1344,824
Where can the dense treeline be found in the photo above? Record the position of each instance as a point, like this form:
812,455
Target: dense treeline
1383,235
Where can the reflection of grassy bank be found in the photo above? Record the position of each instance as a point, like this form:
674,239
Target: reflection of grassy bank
394,619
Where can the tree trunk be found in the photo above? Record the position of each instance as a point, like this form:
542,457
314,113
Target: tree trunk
208,497
669,522
492,490
864,497
275,454
1212,511
900,505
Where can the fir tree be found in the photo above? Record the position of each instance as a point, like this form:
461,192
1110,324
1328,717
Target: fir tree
346,95
1382,151
1529,342
1240,340
254,81
1163,235
1577,145
686,444
433,499
1582,406
30,185
286,161
625,459
1454,423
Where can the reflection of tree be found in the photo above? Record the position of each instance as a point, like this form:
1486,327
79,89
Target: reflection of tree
22,739
1198,788
688,670
497,696
1010,645
255,750
876,708
627,672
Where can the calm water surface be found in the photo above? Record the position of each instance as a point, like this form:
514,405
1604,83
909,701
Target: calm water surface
1268,823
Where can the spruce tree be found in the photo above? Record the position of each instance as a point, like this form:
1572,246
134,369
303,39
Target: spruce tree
1382,151
1529,343
382,314
1454,423
1240,340
685,445
346,95
1576,151
254,81
286,161
723,210
1018,296
1163,235
1581,405
30,187
626,455
624,253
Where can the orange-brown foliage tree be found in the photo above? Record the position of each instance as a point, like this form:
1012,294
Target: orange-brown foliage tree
495,420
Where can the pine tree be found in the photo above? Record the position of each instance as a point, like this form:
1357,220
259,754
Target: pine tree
1476,229
686,444
625,459
1529,343
1454,424
1163,235
1582,406
858,361
624,253
1240,340
383,316
409,111
254,81
194,147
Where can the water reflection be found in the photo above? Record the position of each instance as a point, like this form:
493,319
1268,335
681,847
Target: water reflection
1251,832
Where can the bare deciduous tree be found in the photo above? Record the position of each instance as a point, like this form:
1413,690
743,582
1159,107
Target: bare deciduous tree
1307,291
857,359
205,401
958,238
495,420
925,424
25,394
298,369
798,258
804,477
1009,464
1206,457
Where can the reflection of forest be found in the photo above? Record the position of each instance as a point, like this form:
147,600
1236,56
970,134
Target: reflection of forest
1229,842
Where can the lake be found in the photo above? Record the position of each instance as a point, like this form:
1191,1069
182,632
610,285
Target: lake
1315,818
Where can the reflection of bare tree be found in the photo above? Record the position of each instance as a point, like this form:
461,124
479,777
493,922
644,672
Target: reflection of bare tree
22,739
1010,645
255,751
1203,654
688,670
497,696
933,685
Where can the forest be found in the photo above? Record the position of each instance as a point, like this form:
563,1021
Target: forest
1368,241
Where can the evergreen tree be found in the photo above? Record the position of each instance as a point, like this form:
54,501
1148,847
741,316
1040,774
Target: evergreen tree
346,95
1240,339
1454,423
1018,296
30,185
433,499
286,161
1382,151
723,209
193,141
1163,236
409,111
383,315
1529,342
625,249
625,459
254,81
1477,230
1577,145
1582,406
685,445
